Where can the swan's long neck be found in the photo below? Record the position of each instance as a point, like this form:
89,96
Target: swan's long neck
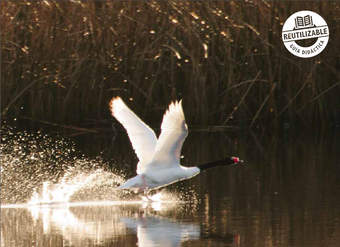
224,162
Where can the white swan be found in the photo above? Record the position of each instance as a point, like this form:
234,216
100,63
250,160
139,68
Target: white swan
159,160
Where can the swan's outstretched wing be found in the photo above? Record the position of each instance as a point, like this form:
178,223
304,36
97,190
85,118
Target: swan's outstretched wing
174,131
142,137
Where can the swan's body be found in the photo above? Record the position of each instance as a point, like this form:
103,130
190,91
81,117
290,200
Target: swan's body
155,179
159,159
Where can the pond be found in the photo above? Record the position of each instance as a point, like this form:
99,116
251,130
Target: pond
58,191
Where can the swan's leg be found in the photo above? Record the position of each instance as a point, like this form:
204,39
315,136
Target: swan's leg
145,189
144,182
145,186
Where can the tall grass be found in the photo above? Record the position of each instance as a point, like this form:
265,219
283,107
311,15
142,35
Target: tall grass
63,60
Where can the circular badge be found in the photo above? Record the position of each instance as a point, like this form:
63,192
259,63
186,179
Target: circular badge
305,27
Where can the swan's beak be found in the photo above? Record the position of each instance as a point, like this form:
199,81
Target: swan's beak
237,160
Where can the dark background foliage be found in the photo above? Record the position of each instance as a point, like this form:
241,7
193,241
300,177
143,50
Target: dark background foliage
62,61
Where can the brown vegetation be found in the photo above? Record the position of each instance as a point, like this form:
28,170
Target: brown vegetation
62,61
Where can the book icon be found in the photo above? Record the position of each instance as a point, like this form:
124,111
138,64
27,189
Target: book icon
303,22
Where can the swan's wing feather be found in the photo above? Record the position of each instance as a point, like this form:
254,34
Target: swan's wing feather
173,133
142,137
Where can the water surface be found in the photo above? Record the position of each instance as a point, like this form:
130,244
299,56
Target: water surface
287,194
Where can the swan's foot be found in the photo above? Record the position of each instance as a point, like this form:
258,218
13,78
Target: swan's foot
147,197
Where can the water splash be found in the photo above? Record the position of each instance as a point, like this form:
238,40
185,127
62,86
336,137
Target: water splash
80,186
39,169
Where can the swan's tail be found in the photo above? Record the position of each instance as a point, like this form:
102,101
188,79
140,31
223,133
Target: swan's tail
132,183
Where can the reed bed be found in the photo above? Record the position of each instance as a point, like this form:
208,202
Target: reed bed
62,61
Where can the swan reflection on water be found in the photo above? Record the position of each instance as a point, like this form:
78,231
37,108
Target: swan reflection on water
100,222
159,231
